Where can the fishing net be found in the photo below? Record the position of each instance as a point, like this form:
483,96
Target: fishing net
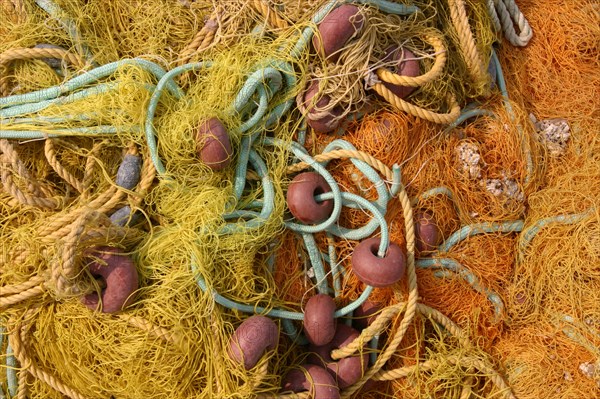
102,105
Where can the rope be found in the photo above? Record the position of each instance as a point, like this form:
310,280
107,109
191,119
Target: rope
270,15
64,272
17,339
467,389
17,288
11,154
68,24
24,53
90,165
29,293
345,154
467,362
475,65
203,40
505,14
378,325
25,198
416,81
50,153
14,9
145,325
528,234
411,304
23,374
435,71
419,112
445,322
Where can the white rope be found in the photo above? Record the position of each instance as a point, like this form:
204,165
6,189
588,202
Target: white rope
505,16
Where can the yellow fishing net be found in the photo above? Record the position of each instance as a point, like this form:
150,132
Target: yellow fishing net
505,303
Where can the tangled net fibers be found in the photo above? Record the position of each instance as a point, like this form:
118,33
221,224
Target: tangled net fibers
109,191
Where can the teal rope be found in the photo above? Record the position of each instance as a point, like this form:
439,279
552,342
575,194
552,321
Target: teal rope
239,180
317,264
293,333
453,266
278,313
85,79
165,81
361,232
502,86
29,108
530,232
269,199
11,372
333,266
467,114
370,173
101,130
576,336
57,13
374,345
43,120
510,226
335,192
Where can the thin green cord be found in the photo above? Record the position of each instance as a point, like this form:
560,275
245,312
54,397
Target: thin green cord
502,86
530,232
510,226
453,266
293,333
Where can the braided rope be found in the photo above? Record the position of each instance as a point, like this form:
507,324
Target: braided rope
343,154
11,154
58,225
270,15
475,66
416,81
411,304
203,39
467,388
22,393
17,340
17,288
13,10
146,180
468,362
24,198
371,331
419,112
10,157
445,322
24,53
90,166
64,271
50,153
19,6
509,14
5,302
145,325
494,15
